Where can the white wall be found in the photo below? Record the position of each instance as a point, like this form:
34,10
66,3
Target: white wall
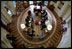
66,39
5,16
65,13
60,12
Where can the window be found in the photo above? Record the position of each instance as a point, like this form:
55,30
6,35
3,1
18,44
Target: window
39,1
5,6
8,10
3,22
45,2
14,3
4,19
30,2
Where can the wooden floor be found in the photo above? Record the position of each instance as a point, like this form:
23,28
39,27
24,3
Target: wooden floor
52,42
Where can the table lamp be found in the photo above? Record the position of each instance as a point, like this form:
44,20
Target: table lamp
49,27
22,26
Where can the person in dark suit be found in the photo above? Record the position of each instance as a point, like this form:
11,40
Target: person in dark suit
44,15
40,3
30,33
27,24
43,24
29,19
